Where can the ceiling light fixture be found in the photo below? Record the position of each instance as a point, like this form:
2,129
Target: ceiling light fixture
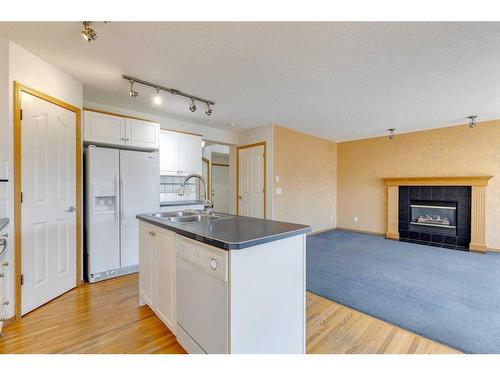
88,33
157,98
472,121
209,110
132,92
192,107
391,133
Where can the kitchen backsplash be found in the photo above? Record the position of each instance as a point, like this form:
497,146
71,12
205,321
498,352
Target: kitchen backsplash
169,185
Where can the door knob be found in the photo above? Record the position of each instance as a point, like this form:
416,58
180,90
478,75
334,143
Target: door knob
71,209
239,197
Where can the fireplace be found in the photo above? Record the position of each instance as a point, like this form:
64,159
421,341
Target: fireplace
435,215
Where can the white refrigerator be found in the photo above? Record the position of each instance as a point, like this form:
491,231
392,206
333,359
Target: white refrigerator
119,185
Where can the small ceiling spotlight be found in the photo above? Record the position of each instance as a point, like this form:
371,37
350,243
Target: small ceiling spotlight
192,107
391,133
132,92
157,98
209,110
88,33
472,121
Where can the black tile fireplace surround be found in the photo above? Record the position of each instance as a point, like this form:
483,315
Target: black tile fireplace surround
455,234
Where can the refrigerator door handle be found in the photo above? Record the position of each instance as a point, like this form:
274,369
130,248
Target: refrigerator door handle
121,199
117,200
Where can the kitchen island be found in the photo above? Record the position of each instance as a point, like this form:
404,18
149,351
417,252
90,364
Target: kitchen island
224,283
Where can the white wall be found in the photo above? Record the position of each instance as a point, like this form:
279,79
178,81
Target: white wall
29,70
261,134
208,133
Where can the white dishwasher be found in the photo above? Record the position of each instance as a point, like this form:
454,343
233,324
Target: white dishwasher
202,297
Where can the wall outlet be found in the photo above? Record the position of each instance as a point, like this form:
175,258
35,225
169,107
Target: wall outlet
277,178
331,219
278,191
355,219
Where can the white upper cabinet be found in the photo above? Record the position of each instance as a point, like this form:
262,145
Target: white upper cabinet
190,153
103,128
141,133
169,152
180,154
114,130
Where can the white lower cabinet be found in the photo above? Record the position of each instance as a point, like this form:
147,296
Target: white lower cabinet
165,278
147,265
157,272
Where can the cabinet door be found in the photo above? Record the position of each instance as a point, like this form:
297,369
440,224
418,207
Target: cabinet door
169,152
147,268
165,278
190,153
142,134
102,128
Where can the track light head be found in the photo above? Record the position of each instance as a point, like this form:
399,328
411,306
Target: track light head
157,98
209,110
132,92
391,133
88,33
472,121
192,107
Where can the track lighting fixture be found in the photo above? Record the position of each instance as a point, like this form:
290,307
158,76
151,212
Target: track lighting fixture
472,121
192,107
88,33
391,133
157,99
132,93
209,110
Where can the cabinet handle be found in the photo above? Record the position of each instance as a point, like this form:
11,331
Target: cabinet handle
128,139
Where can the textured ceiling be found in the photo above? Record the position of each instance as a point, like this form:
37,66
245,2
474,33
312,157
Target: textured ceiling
336,80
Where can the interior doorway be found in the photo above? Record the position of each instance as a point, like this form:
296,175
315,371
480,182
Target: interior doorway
251,180
47,184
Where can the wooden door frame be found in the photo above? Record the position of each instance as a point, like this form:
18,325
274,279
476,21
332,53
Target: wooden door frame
209,171
18,90
238,149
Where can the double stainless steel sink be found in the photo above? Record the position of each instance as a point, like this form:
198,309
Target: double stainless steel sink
189,216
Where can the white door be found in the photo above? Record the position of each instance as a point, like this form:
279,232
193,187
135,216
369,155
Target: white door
169,152
103,128
220,188
165,277
141,133
147,269
190,154
48,185
139,194
103,210
251,182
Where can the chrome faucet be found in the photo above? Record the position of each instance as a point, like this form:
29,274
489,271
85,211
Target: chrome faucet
208,205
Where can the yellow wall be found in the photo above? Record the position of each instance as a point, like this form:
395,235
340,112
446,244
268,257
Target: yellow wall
453,151
307,169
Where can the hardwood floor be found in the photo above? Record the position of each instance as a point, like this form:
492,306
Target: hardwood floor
334,328
105,318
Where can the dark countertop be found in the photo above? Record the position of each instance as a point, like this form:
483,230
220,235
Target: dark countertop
180,203
233,232
3,223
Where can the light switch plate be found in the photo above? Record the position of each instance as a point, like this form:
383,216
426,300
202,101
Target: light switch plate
278,191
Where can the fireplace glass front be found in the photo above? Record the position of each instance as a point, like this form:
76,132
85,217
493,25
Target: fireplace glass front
434,217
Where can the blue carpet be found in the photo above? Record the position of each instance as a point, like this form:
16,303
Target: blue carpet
449,296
